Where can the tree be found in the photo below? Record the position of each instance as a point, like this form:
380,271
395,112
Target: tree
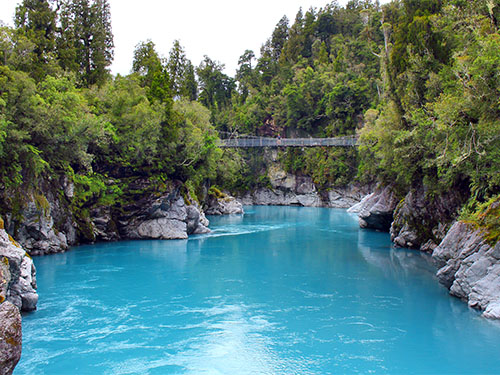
176,66
189,85
147,63
244,73
216,87
87,34
37,21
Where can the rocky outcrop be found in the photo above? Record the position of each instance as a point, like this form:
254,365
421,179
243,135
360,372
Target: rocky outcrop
10,337
224,204
421,220
18,274
161,215
35,228
470,268
375,211
17,292
46,221
292,190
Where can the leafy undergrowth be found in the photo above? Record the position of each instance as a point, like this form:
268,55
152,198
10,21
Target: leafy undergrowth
486,217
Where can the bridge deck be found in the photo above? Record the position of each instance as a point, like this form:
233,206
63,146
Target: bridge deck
346,141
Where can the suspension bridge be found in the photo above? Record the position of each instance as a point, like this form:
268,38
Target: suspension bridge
249,141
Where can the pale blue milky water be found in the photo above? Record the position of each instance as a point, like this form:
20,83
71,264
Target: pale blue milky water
281,290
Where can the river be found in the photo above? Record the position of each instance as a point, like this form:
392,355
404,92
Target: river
280,290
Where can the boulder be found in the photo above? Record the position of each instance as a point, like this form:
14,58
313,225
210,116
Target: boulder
223,205
377,210
162,228
470,268
197,223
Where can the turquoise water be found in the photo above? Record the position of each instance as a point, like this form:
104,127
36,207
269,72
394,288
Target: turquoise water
282,290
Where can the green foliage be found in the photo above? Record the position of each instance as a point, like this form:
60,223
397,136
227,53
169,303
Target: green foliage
485,216
216,192
86,42
440,121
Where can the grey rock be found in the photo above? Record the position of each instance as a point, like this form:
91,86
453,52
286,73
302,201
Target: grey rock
360,206
37,233
17,291
469,267
104,226
166,216
163,228
304,193
421,217
226,205
197,223
18,273
346,197
280,179
4,278
305,185
378,209
10,337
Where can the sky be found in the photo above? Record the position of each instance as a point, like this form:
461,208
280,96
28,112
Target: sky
220,29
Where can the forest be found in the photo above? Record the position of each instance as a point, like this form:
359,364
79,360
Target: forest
417,81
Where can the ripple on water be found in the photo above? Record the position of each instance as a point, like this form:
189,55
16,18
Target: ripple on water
279,291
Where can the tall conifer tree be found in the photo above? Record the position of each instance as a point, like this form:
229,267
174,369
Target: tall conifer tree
86,32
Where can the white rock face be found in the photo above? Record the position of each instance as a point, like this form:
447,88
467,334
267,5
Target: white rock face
304,193
163,228
470,268
21,288
358,207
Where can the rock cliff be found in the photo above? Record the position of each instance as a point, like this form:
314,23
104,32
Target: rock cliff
421,221
47,222
17,292
164,214
291,190
470,268
376,210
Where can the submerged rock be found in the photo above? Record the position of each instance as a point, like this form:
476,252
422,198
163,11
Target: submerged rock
470,268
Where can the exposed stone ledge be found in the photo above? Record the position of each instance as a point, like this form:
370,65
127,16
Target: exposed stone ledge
17,292
470,268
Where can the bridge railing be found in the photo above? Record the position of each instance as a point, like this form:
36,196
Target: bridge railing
346,141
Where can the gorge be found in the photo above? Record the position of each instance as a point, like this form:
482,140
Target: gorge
91,162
